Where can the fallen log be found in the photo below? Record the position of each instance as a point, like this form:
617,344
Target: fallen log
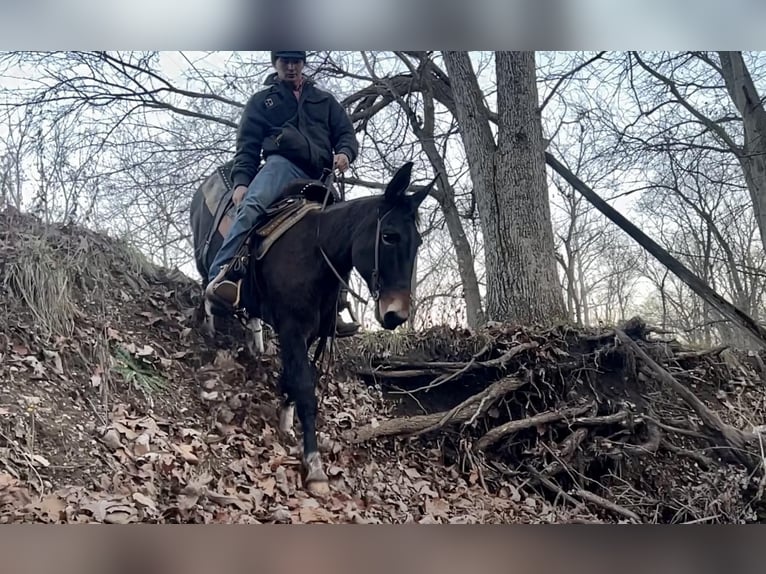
464,412
737,315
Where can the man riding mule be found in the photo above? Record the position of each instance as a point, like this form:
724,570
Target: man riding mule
301,131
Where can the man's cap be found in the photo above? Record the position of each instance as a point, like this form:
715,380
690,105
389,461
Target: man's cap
298,55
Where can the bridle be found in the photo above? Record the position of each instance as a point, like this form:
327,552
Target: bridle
328,179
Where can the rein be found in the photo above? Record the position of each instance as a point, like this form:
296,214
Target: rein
375,272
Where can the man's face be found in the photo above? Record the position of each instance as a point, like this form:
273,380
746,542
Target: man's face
289,69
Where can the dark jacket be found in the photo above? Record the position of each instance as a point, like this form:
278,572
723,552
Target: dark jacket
307,131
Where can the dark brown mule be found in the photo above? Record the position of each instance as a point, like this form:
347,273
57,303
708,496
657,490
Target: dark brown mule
297,284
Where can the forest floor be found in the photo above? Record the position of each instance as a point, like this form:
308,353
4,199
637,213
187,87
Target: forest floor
115,409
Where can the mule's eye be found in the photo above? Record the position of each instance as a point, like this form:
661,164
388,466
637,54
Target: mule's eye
390,238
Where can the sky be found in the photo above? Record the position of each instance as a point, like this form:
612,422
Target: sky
174,65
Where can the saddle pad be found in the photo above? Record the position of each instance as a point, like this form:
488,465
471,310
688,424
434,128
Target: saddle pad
285,217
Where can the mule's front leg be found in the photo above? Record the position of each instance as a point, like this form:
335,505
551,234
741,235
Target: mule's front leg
255,337
208,322
298,382
287,422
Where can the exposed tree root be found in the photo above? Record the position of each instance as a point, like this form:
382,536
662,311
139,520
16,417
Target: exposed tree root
586,417
737,440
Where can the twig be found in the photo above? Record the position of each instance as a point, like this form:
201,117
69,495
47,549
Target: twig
567,448
420,368
704,462
473,364
602,420
607,504
700,354
552,486
479,410
703,519
510,427
414,398
676,430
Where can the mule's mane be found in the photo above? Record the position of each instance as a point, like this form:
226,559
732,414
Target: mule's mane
372,199
368,201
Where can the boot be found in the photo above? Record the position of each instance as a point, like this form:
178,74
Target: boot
225,290
342,328
223,293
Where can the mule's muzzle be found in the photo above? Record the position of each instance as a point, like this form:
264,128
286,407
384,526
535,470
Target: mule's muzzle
393,309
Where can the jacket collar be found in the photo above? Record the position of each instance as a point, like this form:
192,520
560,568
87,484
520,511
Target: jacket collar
272,80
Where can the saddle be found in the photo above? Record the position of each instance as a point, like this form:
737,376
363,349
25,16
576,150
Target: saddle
299,198
295,201
213,211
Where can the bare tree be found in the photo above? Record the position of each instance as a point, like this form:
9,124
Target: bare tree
510,186
423,118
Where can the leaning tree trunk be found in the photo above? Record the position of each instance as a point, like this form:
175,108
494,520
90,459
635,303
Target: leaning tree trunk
511,189
445,195
752,157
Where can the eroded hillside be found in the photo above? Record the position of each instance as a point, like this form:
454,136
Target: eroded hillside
113,408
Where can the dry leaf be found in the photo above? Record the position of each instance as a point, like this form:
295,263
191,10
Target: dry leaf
110,511
53,506
186,452
227,499
412,473
437,507
145,351
121,514
144,500
309,514
268,486
112,439
142,445
7,480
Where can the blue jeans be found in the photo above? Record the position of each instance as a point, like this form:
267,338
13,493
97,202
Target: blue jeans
261,193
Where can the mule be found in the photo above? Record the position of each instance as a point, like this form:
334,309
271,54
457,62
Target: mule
212,214
294,288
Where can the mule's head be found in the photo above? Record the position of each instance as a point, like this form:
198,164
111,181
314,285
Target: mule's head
385,248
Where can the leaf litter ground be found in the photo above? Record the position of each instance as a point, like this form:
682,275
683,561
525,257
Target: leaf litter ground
114,409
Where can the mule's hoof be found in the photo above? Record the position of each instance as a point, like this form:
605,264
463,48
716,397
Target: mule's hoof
316,479
318,487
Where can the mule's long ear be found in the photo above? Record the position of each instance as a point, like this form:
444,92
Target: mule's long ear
399,183
417,198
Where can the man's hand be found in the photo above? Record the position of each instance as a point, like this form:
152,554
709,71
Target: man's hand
340,162
239,194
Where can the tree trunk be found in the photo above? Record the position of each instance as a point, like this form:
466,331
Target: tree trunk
742,90
471,294
511,189
424,129
445,195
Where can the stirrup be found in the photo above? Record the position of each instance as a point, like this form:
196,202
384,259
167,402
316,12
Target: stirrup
220,304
